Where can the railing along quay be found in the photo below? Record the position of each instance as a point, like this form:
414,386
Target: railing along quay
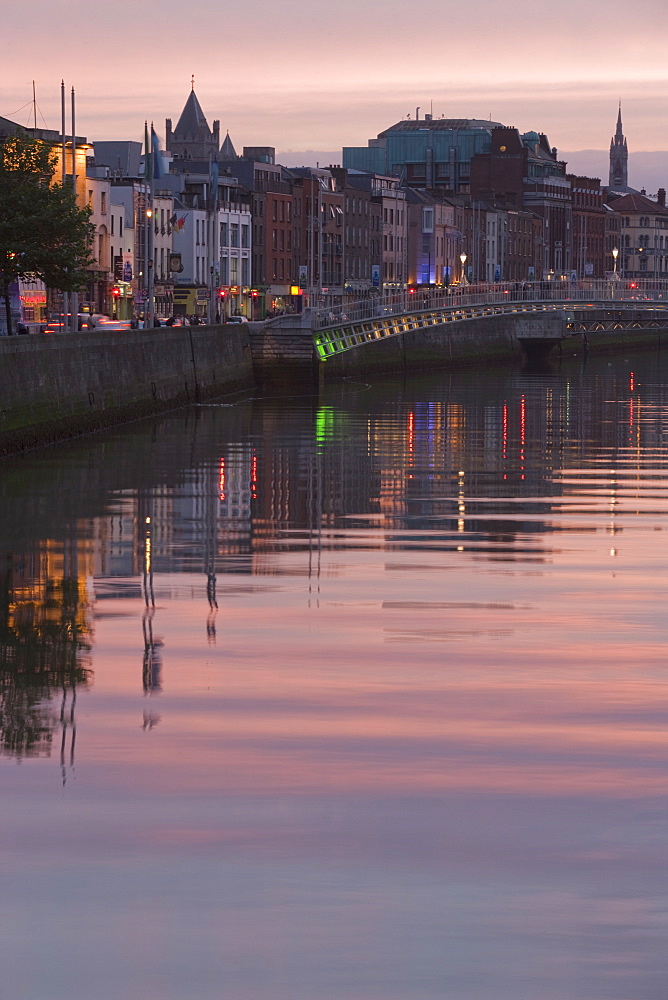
452,296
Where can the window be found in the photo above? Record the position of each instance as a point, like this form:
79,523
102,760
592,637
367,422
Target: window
245,275
112,225
103,202
234,234
245,235
224,235
120,225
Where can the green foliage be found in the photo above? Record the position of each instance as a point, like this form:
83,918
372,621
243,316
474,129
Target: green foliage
42,231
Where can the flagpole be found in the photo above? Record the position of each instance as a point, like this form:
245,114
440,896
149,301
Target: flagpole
75,295
66,297
146,222
151,240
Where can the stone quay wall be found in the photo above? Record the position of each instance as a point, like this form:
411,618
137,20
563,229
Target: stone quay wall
60,385
56,386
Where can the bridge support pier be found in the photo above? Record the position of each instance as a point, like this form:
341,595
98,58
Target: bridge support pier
538,335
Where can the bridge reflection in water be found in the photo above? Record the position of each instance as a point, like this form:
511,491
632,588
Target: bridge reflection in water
584,307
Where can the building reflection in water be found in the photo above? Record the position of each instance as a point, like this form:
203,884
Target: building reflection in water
445,467
45,646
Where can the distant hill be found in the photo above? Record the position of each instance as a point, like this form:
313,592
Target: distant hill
309,158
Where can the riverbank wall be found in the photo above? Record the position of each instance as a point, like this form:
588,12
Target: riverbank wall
60,385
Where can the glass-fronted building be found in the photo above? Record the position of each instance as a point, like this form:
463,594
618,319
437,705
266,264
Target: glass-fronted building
425,153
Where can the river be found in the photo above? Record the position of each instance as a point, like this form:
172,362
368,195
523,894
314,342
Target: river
360,695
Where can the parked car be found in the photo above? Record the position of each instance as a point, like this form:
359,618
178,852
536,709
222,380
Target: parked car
236,319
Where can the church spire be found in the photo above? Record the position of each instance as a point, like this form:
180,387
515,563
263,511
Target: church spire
619,134
619,156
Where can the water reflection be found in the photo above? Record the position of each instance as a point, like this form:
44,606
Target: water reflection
379,703
45,641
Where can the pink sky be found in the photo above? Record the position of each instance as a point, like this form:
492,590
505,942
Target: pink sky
338,76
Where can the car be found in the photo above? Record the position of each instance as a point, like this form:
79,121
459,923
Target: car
236,319
104,324
55,324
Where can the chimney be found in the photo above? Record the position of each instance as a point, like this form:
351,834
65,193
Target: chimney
661,197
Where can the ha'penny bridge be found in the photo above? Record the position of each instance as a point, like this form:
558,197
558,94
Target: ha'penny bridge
536,316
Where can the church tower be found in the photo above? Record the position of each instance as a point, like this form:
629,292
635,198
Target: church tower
619,157
192,139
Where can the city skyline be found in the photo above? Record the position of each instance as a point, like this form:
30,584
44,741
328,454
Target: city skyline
347,85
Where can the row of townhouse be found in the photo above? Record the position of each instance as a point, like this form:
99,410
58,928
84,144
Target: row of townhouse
428,202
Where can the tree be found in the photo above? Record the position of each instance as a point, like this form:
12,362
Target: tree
43,233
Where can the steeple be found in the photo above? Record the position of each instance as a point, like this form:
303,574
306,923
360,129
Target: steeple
618,134
192,139
227,150
619,156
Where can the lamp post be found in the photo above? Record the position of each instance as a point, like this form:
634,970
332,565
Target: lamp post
615,255
149,305
462,280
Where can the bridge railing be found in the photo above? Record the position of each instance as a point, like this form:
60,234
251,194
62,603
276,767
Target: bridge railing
453,296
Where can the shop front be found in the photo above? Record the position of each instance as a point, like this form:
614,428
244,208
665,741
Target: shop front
122,301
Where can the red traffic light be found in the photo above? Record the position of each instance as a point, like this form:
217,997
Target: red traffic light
115,291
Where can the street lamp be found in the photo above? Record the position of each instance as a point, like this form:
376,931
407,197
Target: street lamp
462,258
615,255
149,305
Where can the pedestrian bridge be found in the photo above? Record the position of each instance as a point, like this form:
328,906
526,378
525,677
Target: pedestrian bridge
584,307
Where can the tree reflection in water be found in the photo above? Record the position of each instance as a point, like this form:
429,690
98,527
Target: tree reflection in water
44,647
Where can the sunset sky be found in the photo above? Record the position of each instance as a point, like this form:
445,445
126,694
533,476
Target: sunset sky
318,78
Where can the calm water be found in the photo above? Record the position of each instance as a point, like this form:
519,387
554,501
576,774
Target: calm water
356,697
